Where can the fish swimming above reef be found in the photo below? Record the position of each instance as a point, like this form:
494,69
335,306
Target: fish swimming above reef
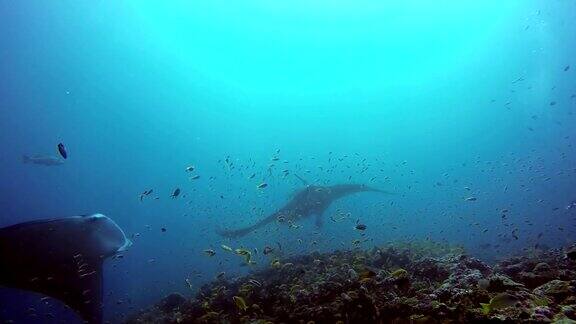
312,200
61,258
46,160
360,227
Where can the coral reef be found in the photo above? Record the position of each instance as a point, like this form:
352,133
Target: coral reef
419,282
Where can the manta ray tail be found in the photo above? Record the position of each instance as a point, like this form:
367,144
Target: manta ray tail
246,230
380,191
302,179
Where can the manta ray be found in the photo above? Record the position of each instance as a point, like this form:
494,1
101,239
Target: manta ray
312,200
61,258
40,159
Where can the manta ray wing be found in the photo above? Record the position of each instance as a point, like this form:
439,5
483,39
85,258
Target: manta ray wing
312,200
60,258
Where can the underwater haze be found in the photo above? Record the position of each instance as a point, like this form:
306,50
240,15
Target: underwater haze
463,111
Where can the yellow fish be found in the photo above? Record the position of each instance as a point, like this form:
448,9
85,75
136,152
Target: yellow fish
240,303
247,255
275,263
226,248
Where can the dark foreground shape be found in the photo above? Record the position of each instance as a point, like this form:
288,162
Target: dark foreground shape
61,258
312,200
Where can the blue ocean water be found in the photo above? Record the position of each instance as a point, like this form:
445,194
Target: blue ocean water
437,101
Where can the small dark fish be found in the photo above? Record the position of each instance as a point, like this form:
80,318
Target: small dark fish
145,193
268,250
567,68
62,150
262,185
255,282
175,193
552,103
520,79
514,234
360,227
163,229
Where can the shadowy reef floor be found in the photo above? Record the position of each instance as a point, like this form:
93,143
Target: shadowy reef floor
419,282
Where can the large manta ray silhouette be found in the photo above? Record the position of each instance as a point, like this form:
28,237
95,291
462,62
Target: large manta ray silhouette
312,200
61,258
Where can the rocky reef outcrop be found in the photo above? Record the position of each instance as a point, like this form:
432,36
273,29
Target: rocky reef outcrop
420,282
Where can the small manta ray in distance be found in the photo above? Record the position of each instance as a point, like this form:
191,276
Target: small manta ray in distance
40,159
62,258
312,200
